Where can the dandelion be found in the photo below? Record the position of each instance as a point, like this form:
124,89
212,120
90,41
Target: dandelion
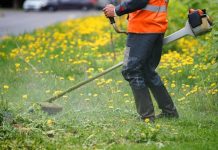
187,94
71,78
173,85
119,81
126,95
213,84
17,65
90,70
158,126
61,78
181,99
47,91
213,61
118,91
95,95
111,107
24,96
190,77
50,122
108,81
100,69
6,87
172,94
147,120
57,92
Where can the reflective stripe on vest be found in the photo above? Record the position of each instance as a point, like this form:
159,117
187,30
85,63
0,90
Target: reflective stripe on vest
155,8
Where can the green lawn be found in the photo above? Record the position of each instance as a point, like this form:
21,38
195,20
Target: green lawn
101,114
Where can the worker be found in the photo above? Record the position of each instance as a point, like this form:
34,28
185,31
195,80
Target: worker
147,23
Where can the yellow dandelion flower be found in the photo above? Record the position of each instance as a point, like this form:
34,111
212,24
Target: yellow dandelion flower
100,69
71,78
190,77
57,92
181,99
173,85
158,126
50,122
147,120
61,78
172,94
179,71
119,81
95,95
47,91
126,95
108,81
213,84
90,70
25,96
111,107
6,87
17,65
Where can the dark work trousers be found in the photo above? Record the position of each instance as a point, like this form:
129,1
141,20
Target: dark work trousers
142,56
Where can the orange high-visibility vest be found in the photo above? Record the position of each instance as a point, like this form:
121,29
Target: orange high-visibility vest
151,19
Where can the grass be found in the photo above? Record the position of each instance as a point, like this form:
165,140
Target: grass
101,114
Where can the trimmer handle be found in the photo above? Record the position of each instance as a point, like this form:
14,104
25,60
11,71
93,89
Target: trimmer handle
112,21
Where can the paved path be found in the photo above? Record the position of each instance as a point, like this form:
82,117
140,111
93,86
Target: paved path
18,22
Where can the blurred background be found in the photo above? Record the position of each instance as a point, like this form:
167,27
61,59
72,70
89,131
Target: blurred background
21,16
53,5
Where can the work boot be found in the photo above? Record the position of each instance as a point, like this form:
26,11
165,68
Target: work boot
143,103
164,102
167,115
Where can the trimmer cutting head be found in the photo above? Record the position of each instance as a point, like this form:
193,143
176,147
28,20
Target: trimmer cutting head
50,108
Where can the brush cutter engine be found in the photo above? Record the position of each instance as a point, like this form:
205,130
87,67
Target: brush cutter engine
199,21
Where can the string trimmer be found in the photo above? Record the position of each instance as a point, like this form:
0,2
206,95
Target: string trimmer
197,24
